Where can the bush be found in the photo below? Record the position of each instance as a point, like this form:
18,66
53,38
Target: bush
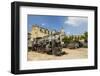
67,39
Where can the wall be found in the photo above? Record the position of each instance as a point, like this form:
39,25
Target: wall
35,32
5,41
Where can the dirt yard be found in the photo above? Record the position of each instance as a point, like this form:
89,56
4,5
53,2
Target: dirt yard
70,54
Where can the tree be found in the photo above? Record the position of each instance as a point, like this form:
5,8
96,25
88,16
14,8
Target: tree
67,39
86,36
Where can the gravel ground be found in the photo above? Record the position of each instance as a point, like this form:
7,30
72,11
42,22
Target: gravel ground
71,54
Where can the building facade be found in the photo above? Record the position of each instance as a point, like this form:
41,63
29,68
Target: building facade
40,32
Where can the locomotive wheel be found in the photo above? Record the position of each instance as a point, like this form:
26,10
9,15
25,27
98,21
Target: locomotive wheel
56,52
49,52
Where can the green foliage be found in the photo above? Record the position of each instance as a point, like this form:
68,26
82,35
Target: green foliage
84,36
68,39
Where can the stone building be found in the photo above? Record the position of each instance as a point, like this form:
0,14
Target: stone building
40,32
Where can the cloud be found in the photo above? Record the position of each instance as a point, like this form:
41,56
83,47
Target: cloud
76,21
43,24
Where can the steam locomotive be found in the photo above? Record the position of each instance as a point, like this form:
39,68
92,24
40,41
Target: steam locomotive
51,47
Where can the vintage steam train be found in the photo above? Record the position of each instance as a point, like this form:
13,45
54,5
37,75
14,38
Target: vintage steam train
51,47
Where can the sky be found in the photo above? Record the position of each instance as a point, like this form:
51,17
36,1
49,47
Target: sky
73,25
